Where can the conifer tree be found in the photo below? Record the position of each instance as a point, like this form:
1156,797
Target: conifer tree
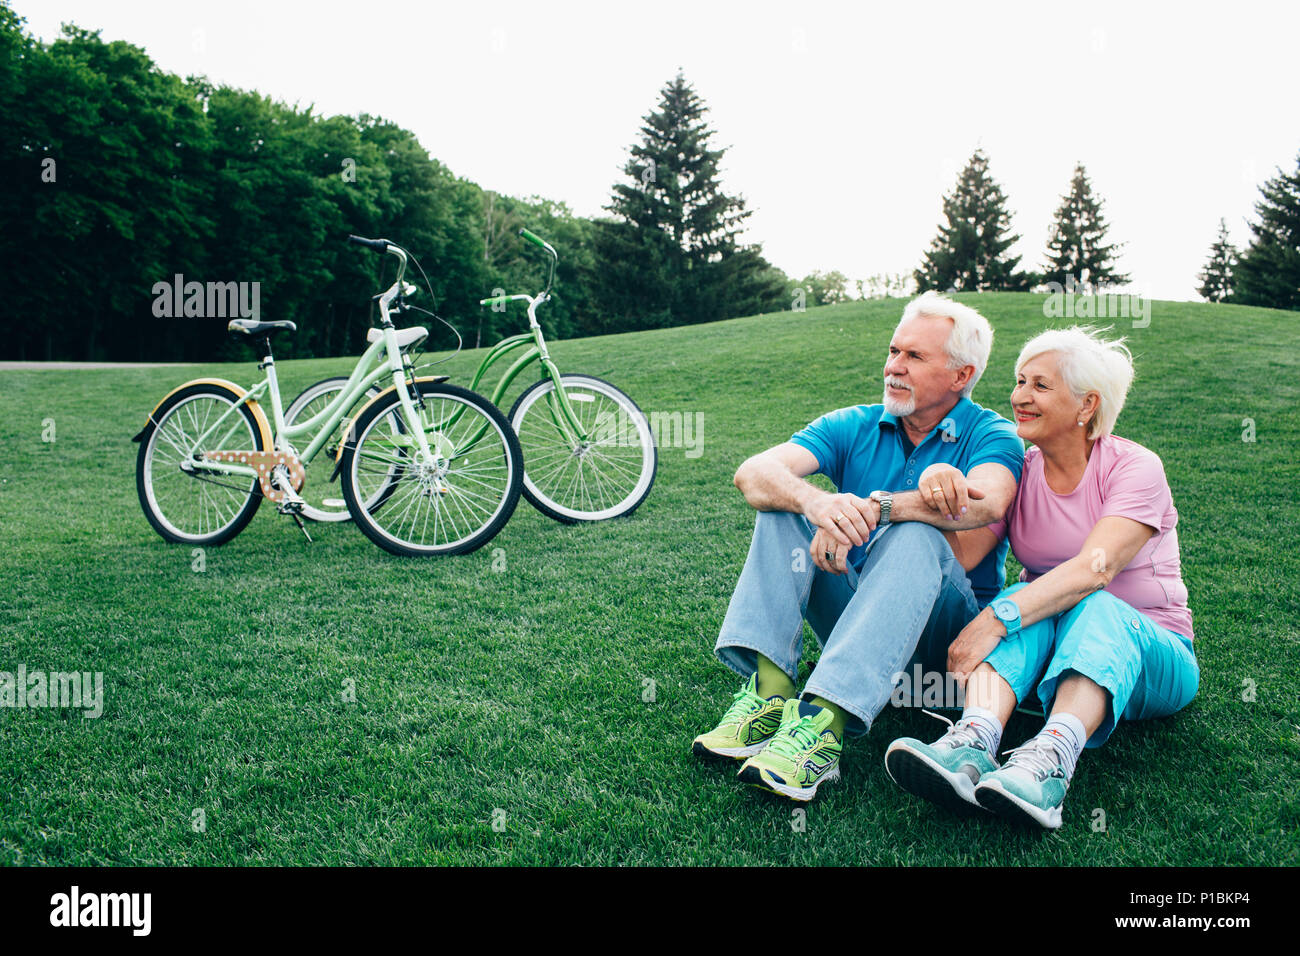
1268,272
1076,244
1216,277
970,253
672,254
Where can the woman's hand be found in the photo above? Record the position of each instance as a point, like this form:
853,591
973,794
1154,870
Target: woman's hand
975,642
946,490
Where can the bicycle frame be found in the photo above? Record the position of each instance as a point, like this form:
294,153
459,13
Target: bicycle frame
564,416
384,356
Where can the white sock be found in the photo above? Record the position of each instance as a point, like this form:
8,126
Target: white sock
987,727
1066,733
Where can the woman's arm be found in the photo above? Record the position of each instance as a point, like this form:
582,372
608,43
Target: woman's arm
1110,546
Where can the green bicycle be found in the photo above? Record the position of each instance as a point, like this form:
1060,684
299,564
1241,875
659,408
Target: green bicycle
426,467
589,452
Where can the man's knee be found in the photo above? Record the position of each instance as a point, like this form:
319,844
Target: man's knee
783,525
914,535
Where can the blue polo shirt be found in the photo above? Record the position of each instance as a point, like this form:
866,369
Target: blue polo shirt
862,449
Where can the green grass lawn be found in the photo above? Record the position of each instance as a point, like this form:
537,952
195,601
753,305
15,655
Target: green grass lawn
523,696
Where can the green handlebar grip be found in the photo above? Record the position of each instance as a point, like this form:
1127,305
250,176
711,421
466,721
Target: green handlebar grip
496,300
533,238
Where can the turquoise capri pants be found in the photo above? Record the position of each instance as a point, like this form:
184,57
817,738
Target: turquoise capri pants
1149,670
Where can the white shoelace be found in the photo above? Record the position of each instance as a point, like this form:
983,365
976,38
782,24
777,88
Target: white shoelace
957,735
1037,757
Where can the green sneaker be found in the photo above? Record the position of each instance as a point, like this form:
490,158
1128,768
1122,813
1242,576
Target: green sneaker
1029,788
944,772
804,753
746,727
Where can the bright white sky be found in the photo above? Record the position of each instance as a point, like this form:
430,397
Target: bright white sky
846,122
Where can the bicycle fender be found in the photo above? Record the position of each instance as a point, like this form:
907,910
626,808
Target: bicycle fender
263,425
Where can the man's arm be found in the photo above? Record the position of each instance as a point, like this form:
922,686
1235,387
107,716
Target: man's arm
773,480
986,492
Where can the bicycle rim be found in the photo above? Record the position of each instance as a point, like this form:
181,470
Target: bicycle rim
606,477
450,503
196,506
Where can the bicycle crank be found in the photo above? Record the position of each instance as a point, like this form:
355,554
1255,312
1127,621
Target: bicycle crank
266,464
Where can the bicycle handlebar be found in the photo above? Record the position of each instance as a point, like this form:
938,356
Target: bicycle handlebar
538,241
379,245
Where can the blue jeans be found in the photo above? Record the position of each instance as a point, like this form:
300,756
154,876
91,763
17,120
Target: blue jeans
1149,670
908,602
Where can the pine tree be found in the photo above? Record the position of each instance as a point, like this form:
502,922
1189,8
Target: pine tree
1268,272
970,252
671,253
1076,244
1216,277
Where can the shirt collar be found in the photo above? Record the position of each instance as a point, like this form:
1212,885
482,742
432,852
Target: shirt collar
955,418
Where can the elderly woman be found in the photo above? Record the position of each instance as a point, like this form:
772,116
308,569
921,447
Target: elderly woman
1100,622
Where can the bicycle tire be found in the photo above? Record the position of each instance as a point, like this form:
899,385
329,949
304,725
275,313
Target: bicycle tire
468,492
570,483
192,508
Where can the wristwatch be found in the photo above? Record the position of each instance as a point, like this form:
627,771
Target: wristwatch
886,501
1008,612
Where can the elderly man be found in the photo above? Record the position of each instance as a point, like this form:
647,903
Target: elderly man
880,570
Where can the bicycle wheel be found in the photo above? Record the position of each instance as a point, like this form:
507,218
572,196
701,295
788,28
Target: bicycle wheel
324,500
451,503
197,507
607,476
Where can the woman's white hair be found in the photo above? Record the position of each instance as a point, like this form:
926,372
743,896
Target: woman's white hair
971,338
1088,363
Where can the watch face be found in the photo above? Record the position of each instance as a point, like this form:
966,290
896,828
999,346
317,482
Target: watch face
1006,610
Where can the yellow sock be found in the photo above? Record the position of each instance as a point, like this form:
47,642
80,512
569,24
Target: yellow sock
773,681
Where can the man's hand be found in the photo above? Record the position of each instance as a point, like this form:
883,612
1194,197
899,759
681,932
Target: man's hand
947,491
828,554
848,519
975,642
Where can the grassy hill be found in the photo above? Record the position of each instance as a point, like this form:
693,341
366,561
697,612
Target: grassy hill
557,697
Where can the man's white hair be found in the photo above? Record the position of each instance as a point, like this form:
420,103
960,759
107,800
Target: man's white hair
971,338
1088,363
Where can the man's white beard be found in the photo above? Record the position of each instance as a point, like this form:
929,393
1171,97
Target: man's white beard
897,408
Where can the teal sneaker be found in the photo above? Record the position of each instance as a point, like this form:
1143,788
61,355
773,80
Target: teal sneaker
1029,788
803,754
747,726
944,772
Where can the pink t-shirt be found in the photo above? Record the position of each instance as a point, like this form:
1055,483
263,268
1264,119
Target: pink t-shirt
1122,479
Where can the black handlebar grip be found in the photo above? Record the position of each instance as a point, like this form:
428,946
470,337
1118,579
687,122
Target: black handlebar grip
379,245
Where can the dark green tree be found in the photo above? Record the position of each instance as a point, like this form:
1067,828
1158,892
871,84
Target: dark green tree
970,253
1076,242
1216,277
671,254
1268,272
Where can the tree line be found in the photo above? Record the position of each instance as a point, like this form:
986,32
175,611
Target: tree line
126,180
133,182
